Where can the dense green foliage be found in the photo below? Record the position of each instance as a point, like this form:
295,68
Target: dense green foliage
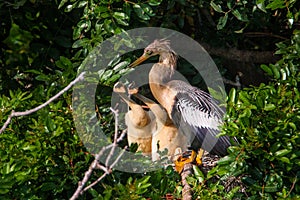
44,42
266,120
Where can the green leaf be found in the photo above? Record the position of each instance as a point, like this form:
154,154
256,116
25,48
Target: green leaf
121,18
113,79
276,4
261,5
120,66
62,3
114,61
229,4
43,77
232,95
293,126
50,124
106,75
283,74
226,160
81,4
69,8
84,25
269,107
244,97
76,33
64,63
140,12
80,43
222,21
198,174
284,160
267,69
4,190
108,26
237,14
216,7
154,2
275,70
147,9
282,152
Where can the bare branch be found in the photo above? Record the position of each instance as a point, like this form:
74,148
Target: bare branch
87,174
96,165
187,190
237,82
28,112
293,185
106,173
112,151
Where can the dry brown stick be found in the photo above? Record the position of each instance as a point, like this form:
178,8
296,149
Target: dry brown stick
96,165
116,114
106,173
88,173
293,185
28,112
187,190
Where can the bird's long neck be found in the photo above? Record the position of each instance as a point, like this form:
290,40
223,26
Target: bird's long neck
160,74
168,59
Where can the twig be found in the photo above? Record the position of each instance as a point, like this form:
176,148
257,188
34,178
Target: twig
187,190
28,112
293,185
88,173
237,82
107,169
106,173
112,151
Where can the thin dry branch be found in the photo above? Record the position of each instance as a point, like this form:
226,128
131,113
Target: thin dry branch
28,112
107,169
111,153
187,190
237,82
293,185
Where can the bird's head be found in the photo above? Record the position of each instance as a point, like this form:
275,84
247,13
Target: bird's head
158,47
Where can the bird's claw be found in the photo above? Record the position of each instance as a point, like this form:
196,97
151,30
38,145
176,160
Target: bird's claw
188,157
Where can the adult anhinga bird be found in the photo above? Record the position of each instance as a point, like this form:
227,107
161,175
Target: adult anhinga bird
192,110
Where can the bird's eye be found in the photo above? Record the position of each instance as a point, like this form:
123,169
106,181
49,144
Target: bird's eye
149,52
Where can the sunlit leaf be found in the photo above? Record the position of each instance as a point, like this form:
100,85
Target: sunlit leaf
216,7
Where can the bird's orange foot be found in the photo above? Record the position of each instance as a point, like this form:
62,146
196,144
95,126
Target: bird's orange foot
188,157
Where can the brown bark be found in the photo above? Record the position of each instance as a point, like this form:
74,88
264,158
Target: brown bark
187,190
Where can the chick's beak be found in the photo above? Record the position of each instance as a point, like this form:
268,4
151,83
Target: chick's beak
139,60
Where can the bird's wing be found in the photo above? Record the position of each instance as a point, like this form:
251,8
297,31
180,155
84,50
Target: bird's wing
196,111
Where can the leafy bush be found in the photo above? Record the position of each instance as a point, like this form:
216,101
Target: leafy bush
42,46
265,119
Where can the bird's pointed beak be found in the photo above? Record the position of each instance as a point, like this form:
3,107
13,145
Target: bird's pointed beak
139,60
